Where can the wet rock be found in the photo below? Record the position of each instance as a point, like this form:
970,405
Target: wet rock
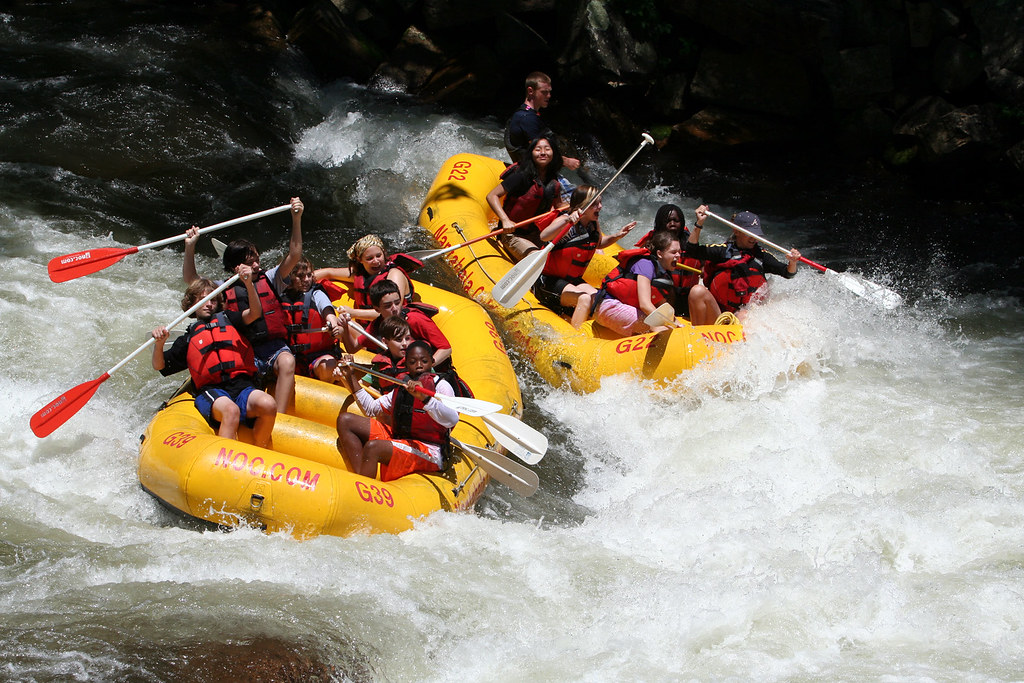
410,65
601,49
767,83
956,65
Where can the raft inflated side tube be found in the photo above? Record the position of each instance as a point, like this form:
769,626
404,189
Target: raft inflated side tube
561,354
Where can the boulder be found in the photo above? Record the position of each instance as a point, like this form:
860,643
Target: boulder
767,82
600,48
410,65
858,74
333,43
956,65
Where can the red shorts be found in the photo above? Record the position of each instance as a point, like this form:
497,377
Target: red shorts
403,458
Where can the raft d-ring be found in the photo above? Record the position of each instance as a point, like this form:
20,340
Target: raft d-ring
256,502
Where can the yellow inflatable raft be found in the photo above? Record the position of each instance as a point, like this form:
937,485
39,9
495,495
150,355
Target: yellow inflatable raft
456,210
304,486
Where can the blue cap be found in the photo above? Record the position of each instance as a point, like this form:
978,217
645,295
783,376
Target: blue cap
749,222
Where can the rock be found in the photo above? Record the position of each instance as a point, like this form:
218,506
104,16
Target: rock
768,83
970,134
321,30
720,126
858,75
410,65
601,49
956,65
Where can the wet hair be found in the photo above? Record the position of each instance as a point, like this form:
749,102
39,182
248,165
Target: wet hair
379,290
355,252
237,253
394,328
582,196
535,78
196,290
661,217
661,240
419,344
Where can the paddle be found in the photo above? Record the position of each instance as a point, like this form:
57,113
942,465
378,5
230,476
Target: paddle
522,480
427,254
520,278
473,407
662,315
689,268
873,292
71,266
519,438
59,410
362,330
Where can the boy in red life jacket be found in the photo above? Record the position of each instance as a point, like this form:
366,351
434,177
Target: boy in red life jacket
309,311
560,286
267,334
405,431
220,360
368,264
387,302
734,272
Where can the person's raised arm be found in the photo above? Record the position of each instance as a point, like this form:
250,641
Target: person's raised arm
295,241
160,336
188,265
255,310
607,240
549,233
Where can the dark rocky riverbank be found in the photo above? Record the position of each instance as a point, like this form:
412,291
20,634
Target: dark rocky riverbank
931,89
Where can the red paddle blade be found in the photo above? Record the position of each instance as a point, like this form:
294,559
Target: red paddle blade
70,266
59,410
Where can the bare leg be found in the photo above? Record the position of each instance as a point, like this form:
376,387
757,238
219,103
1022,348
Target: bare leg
261,405
704,310
284,366
353,433
581,297
227,413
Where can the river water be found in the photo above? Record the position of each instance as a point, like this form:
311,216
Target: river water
840,498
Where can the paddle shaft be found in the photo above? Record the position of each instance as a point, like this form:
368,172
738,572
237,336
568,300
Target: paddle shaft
389,378
766,242
59,410
493,233
217,226
520,278
362,330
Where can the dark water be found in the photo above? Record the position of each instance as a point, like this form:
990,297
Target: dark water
841,499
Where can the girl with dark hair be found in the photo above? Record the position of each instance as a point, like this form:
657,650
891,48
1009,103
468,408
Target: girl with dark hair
527,189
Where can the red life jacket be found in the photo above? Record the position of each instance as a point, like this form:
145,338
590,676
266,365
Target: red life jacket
734,282
303,318
361,283
217,352
534,201
621,282
409,419
570,257
272,325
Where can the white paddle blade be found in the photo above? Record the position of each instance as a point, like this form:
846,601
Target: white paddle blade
473,407
521,440
517,281
520,479
218,247
662,315
873,292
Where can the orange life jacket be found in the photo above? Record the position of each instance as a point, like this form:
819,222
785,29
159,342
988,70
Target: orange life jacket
570,257
272,324
621,281
304,322
217,352
733,282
